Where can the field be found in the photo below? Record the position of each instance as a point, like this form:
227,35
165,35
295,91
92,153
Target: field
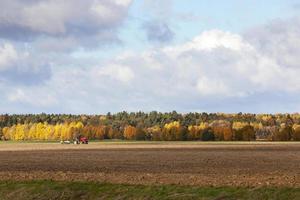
153,164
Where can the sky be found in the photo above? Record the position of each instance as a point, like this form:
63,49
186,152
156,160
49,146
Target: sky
99,56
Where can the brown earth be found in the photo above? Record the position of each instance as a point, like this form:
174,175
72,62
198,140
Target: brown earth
248,164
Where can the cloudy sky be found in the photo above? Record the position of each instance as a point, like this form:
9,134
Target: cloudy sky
95,56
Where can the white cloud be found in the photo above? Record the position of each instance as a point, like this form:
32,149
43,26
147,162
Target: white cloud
32,97
97,20
213,39
117,72
45,16
124,3
278,40
212,87
8,55
18,66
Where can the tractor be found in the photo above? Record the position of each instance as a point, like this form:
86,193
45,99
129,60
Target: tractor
77,139
80,140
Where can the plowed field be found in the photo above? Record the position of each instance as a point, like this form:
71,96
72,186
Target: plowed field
241,164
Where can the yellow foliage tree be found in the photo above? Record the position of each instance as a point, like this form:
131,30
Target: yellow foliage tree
155,133
57,131
222,130
195,132
19,132
171,125
130,133
173,131
296,132
42,131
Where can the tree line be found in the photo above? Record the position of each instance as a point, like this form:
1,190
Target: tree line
155,126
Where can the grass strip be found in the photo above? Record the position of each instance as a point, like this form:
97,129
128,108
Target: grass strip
46,190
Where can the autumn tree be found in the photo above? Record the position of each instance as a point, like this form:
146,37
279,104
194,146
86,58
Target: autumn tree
1,134
130,133
10,134
5,132
243,131
101,132
58,131
222,130
194,133
248,133
296,133
140,133
114,133
174,131
111,133
155,133
285,133
208,135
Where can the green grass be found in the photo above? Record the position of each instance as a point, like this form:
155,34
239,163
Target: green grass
45,190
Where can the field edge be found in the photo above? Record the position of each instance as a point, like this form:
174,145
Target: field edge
46,189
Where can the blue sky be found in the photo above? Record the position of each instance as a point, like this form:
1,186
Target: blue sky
97,56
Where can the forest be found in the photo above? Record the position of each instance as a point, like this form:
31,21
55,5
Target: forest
154,126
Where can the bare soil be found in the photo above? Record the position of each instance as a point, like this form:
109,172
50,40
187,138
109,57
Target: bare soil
248,164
